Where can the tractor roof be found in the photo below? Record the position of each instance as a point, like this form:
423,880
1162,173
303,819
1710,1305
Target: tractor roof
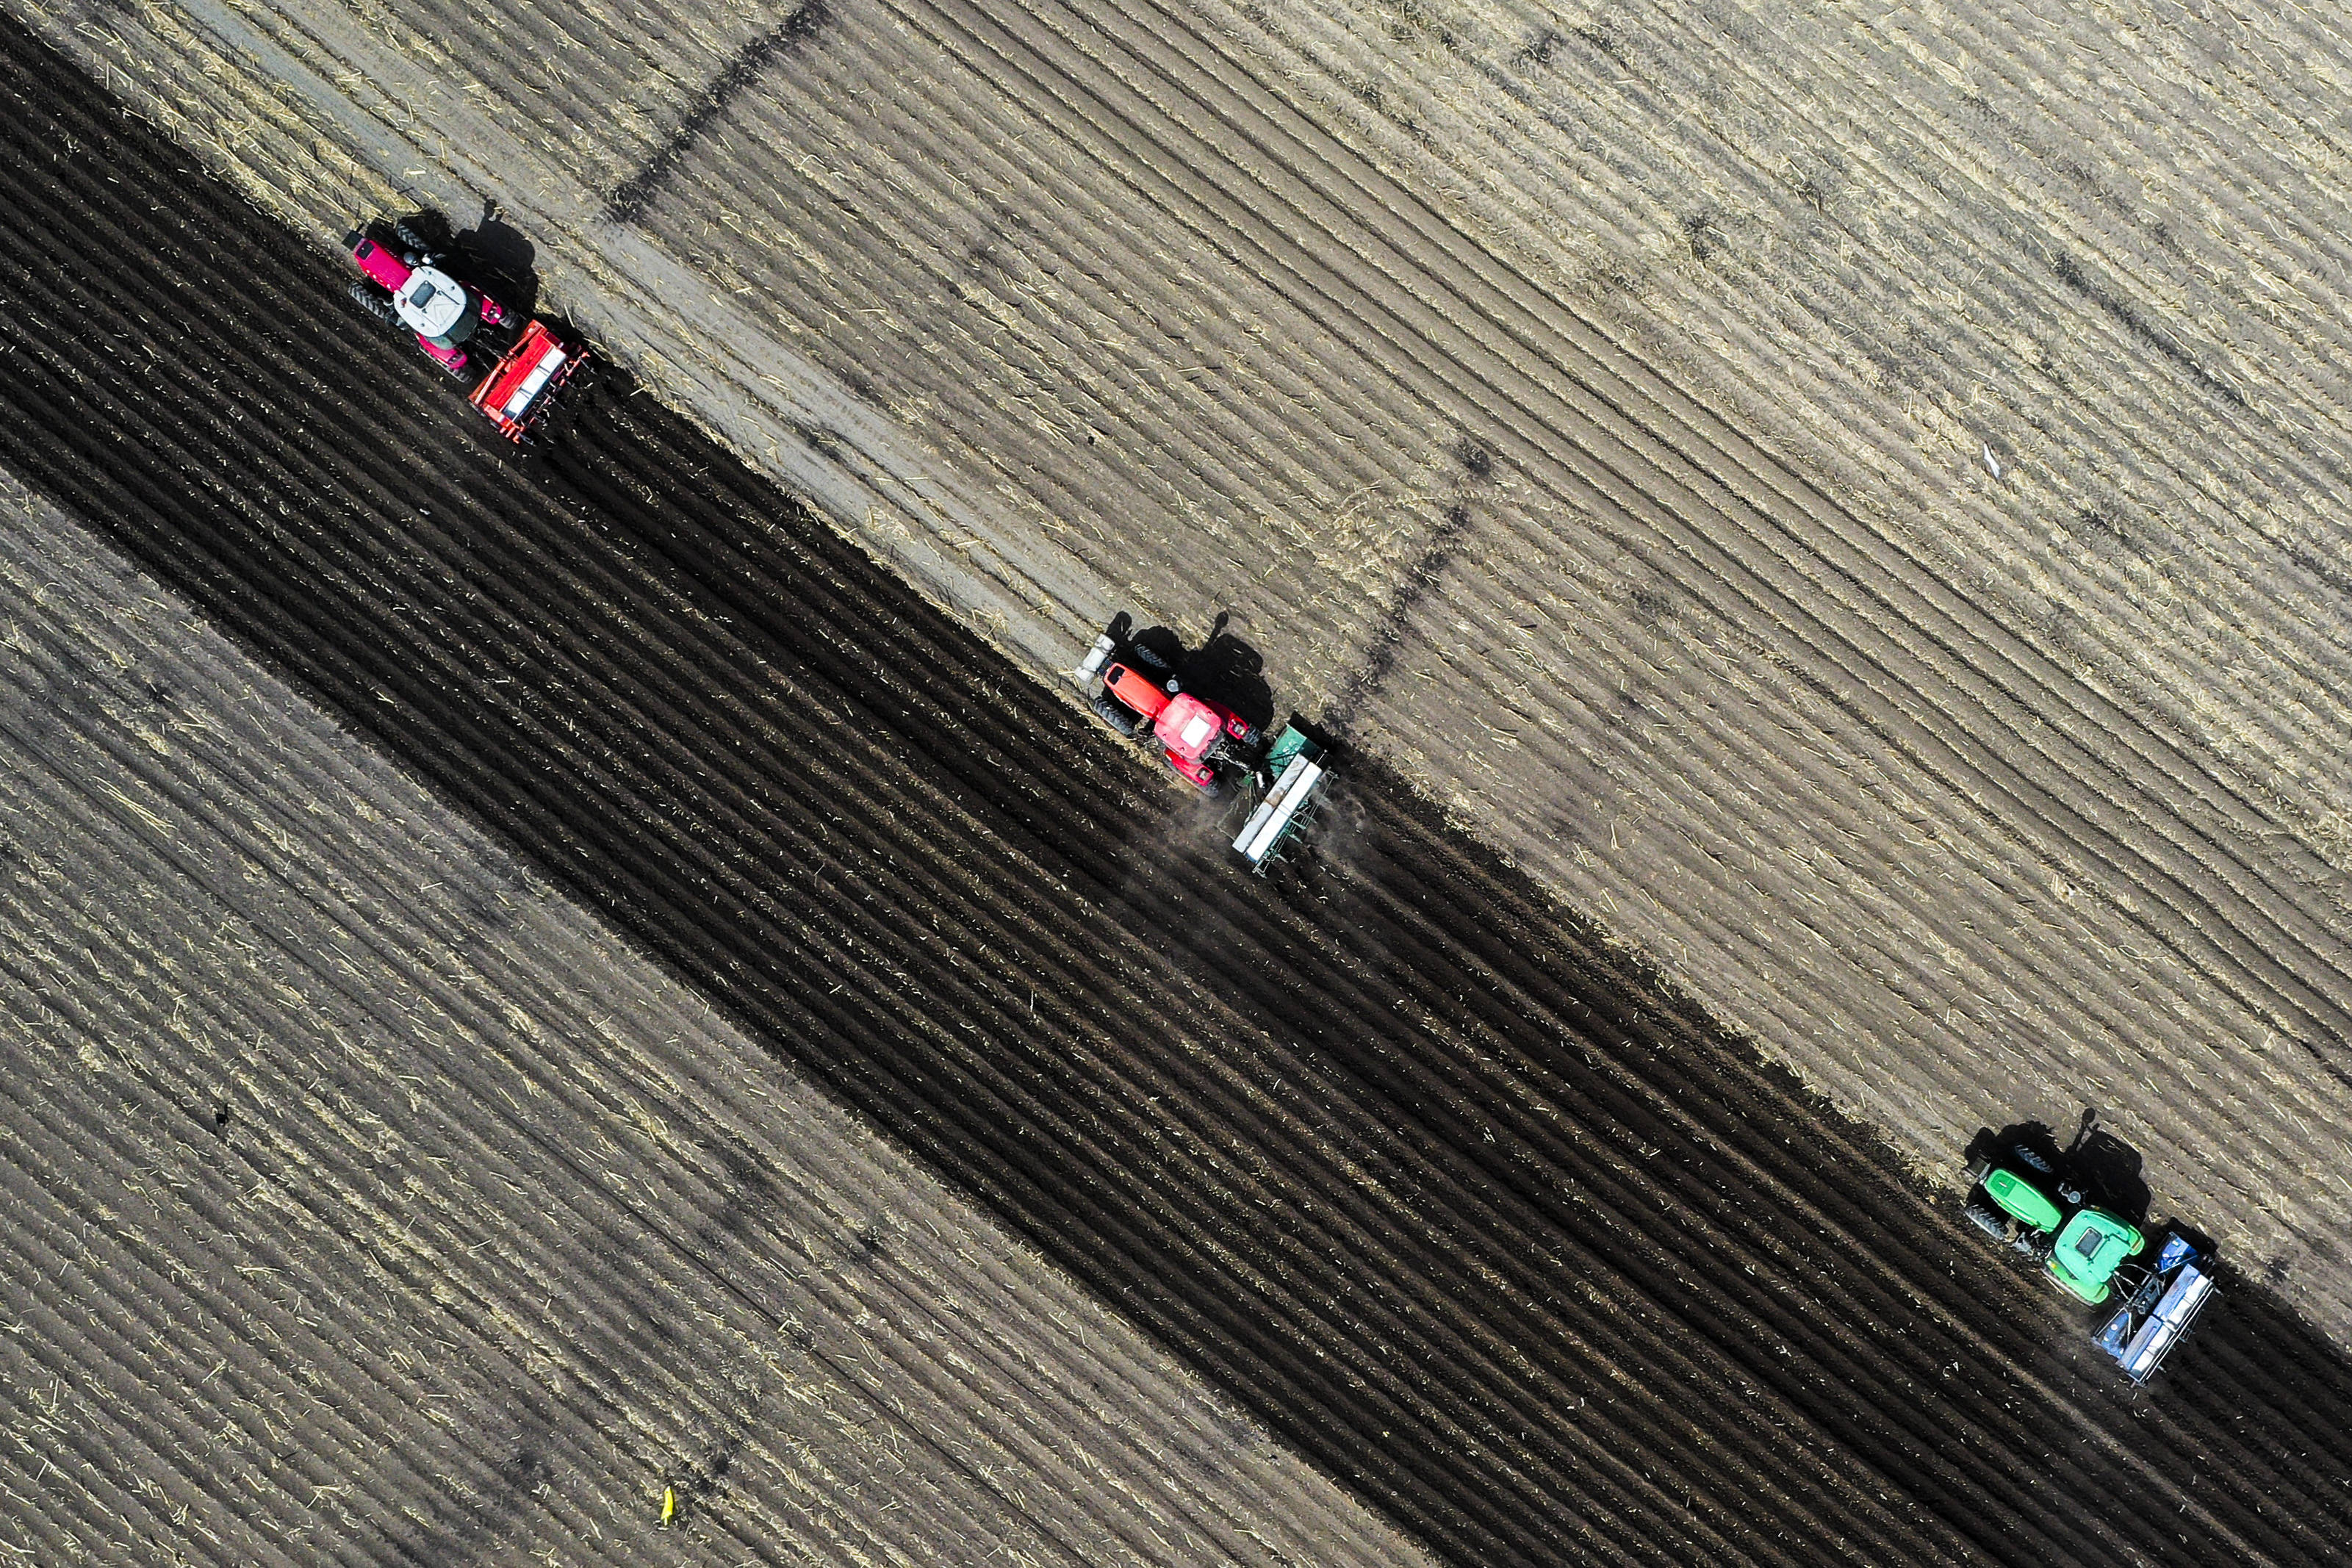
2087,1253
1187,727
430,301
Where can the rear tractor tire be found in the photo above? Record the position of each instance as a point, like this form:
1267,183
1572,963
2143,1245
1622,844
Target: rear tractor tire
412,241
2028,1157
1124,720
1991,1221
374,304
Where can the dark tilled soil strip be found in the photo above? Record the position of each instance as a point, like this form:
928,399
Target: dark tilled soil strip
1473,1214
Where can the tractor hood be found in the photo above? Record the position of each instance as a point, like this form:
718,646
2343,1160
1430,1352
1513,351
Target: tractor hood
377,262
1140,695
2023,1201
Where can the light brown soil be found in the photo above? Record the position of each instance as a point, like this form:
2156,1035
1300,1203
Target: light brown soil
1979,749
368,1204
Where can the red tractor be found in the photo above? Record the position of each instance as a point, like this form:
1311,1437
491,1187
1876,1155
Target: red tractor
1133,687
520,364
1137,694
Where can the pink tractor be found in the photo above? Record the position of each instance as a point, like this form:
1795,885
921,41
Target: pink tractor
517,364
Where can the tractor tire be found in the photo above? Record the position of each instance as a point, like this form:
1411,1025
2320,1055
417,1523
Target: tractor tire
410,239
365,297
1987,1220
1146,657
2028,1157
1126,720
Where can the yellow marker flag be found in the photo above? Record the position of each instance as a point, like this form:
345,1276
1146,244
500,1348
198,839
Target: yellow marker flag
669,1504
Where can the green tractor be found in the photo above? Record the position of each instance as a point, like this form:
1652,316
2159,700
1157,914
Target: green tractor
2037,1205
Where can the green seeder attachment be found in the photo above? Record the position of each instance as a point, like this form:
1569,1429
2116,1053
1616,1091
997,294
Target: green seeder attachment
1295,764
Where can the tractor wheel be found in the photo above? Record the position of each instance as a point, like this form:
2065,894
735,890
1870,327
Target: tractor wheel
1146,657
2029,1157
1124,720
1988,1221
409,238
374,304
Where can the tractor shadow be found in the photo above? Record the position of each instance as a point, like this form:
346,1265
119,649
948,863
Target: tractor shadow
1223,668
2107,1169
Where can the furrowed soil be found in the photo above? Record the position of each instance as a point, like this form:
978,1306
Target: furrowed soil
1847,494
1486,1223
367,1203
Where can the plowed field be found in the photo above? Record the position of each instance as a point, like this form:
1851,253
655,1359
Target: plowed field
1487,1225
366,1203
1846,494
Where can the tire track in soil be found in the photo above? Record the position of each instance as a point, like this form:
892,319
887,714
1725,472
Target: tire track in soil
1383,1149
630,198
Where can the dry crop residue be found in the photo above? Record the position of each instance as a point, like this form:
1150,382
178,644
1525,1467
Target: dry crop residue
366,1203
1492,1228
1978,753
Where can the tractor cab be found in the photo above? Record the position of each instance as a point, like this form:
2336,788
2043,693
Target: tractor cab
2089,1250
1194,735
1187,727
437,306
